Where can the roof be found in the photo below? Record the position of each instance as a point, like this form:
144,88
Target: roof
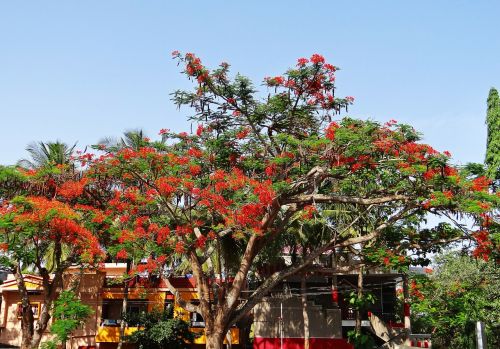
180,282
32,282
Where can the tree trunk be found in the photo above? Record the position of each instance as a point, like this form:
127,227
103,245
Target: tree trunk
41,324
360,294
215,340
303,295
124,307
27,319
26,339
37,338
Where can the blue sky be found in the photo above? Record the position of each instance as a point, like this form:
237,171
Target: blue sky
79,71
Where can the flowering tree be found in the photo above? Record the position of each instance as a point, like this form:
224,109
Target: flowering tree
46,225
448,301
258,164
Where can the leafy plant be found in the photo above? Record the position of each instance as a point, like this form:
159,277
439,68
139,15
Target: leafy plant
159,330
69,313
448,302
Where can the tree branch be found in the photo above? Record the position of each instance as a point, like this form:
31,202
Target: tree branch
323,198
177,295
274,279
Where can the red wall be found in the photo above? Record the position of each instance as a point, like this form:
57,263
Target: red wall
298,343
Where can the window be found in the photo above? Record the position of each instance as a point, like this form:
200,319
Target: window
196,320
35,308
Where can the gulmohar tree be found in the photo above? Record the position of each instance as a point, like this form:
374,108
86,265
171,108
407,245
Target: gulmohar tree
47,224
256,164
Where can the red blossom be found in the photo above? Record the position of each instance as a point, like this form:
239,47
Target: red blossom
330,67
200,130
243,133
200,241
72,189
330,130
302,62
308,212
481,184
356,167
164,186
484,245
162,235
270,170
180,248
195,152
317,59
275,81
122,254
429,174
448,194
195,170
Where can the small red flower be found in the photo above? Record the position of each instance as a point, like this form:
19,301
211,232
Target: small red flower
199,130
179,247
302,62
122,254
195,169
330,130
480,184
243,133
448,194
317,59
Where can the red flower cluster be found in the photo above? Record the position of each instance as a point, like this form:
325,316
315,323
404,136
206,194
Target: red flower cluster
122,254
330,130
193,65
243,133
481,184
166,185
484,245
72,189
317,59
275,81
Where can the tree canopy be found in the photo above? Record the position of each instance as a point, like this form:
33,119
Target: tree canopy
452,298
260,166
492,160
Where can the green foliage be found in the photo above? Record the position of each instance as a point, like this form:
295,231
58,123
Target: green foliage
360,340
69,313
47,154
361,302
159,330
493,141
448,302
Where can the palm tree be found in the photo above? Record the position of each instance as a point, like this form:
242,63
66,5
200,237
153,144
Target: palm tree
46,154
132,139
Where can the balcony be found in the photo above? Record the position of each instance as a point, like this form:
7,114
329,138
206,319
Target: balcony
111,334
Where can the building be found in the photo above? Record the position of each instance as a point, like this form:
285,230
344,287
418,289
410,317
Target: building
278,320
101,290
